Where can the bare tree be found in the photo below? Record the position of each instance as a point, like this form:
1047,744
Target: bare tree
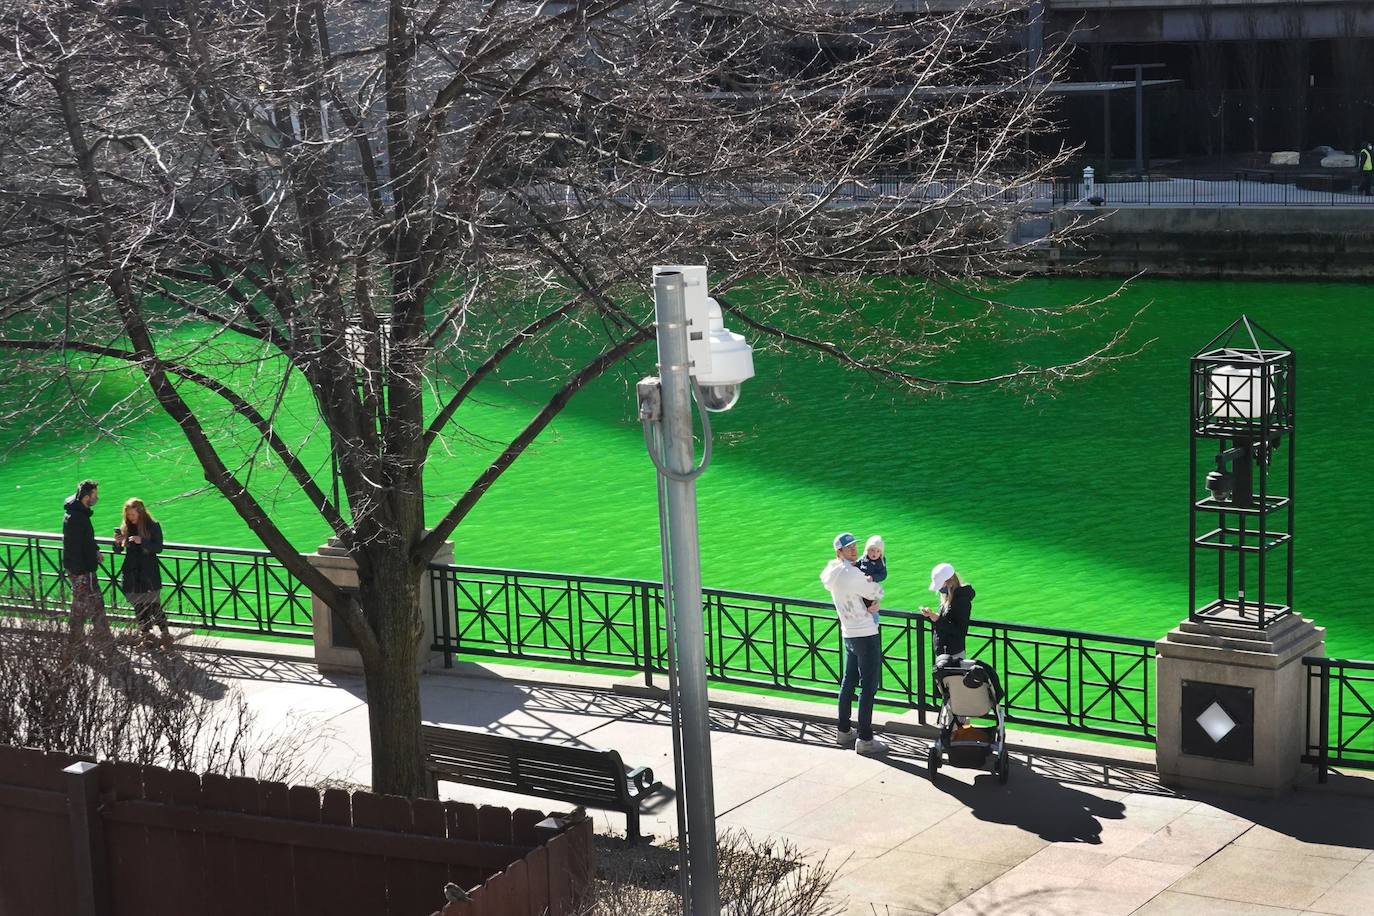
1352,65
1294,75
385,204
1250,61
1209,79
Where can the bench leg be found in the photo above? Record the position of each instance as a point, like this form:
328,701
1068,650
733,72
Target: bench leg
632,826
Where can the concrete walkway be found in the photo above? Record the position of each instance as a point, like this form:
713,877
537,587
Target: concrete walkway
1082,827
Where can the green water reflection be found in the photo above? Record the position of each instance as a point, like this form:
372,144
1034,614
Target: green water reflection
1068,511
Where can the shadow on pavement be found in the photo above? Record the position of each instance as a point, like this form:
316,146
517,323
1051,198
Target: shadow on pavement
1029,800
255,668
1306,815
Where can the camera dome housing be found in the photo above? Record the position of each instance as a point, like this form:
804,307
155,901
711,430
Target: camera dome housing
717,398
721,360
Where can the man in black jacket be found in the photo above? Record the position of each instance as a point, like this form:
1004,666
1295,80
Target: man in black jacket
81,558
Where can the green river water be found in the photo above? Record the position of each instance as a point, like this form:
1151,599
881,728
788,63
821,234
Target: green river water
1066,511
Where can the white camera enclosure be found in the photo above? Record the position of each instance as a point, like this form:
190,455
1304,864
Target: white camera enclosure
719,357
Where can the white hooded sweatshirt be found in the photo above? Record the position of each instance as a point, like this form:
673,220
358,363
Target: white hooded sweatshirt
847,588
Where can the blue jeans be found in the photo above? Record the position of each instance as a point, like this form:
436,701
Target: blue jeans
863,667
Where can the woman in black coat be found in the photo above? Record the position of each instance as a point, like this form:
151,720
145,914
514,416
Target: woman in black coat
951,621
139,538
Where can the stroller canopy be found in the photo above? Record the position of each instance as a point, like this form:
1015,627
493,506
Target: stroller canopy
969,687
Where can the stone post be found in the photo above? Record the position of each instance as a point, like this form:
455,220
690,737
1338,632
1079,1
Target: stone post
335,652
1231,704
1088,179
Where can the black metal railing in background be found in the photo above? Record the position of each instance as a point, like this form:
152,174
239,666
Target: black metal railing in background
219,589
1052,678
1340,714
894,188
1247,187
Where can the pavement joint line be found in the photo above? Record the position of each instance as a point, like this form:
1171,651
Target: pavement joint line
760,795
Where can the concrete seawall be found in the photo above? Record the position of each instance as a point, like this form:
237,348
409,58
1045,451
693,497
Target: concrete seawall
1312,243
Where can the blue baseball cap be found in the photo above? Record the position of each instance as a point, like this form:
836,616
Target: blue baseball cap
845,540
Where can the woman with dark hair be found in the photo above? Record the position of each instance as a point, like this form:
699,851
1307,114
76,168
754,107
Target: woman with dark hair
139,538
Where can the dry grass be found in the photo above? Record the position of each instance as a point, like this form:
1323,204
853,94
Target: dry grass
758,877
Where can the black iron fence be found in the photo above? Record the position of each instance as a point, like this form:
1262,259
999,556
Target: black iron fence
224,590
1247,187
1059,679
1053,678
1340,720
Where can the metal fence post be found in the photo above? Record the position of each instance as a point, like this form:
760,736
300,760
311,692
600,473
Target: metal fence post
647,625
441,582
921,669
90,874
1324,723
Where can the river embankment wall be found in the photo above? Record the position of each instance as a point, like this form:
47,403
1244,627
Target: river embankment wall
1308,243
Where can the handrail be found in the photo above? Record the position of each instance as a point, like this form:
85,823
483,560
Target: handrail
820,605
166,545
1321,661
222,590
1053,677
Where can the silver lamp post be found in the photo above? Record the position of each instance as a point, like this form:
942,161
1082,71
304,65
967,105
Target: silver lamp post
699,357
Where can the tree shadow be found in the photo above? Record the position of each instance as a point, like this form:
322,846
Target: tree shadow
179,671
122,673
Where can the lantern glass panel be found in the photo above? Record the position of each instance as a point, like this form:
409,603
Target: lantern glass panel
1239,393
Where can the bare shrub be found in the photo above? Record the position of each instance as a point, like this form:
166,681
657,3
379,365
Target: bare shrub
111,706
765,876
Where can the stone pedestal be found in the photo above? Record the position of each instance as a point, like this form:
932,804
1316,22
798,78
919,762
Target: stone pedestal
1231,704
335,652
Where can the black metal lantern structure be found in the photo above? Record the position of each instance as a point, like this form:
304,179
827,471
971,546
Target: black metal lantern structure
1240,516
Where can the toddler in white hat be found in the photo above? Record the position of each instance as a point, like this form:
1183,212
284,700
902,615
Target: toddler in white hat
873,564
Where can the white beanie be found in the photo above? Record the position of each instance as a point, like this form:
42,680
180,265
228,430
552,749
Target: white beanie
875,541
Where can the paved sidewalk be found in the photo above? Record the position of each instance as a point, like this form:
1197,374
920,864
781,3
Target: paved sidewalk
1081,827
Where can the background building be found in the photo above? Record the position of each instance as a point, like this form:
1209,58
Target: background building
1255,76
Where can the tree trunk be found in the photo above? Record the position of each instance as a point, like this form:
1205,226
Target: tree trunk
392,605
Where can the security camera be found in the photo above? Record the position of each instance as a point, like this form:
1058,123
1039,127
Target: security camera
716,398
721,360
729,363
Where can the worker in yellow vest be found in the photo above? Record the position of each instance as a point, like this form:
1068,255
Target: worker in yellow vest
1366,167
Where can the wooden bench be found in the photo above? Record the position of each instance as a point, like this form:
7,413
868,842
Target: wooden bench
584,776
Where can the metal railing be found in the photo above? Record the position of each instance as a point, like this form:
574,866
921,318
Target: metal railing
1340,714
220,589
1052,678
895,188
1223,189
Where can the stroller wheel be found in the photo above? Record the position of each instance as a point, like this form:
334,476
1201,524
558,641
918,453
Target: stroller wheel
1003,767
933,760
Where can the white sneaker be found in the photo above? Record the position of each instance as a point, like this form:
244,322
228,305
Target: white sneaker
846,739
872,748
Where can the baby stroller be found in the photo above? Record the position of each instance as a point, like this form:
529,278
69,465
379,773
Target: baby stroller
969,690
